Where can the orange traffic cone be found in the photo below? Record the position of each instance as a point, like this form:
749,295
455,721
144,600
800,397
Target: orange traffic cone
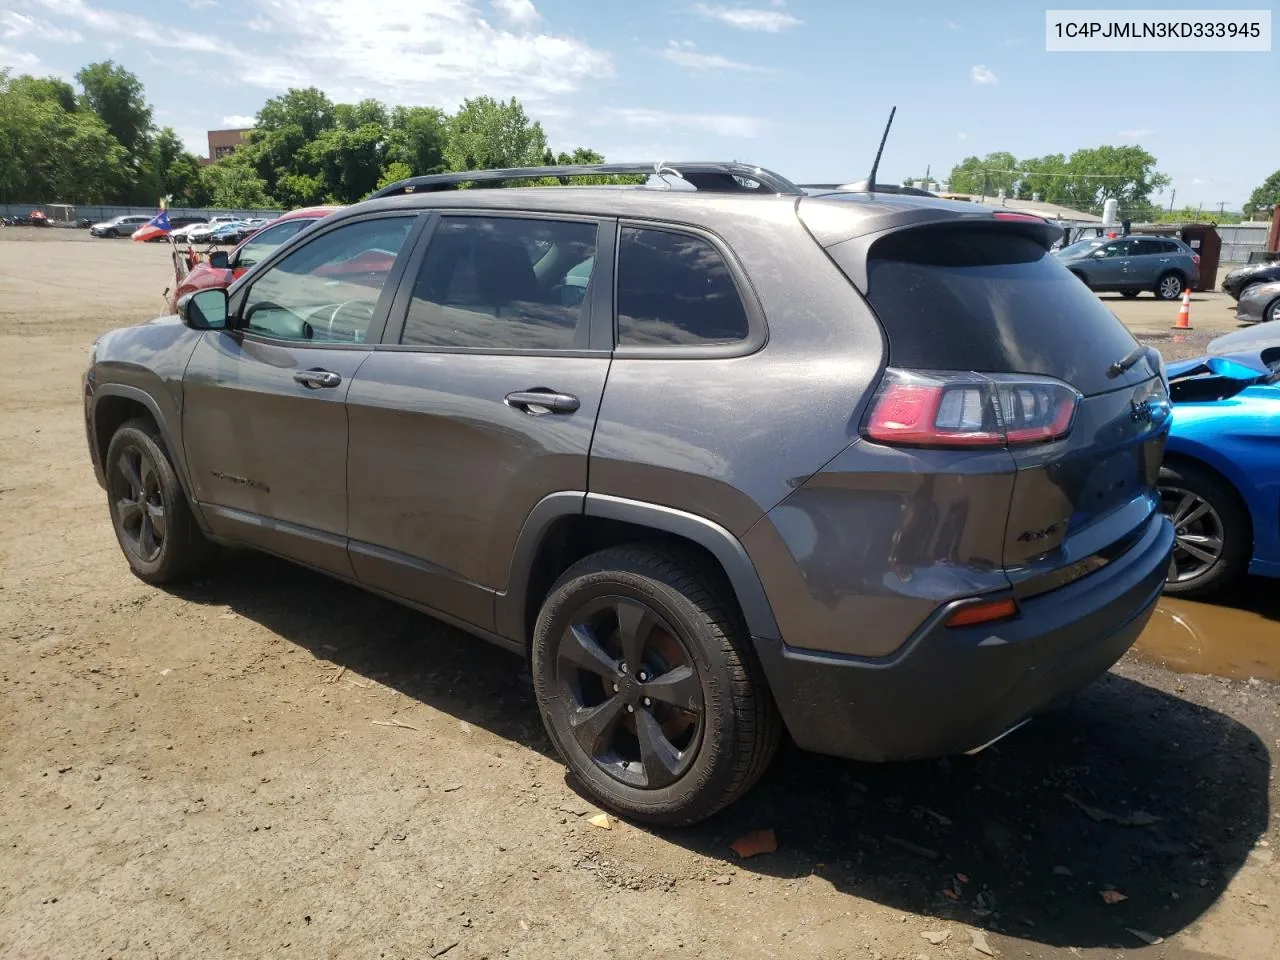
1184,312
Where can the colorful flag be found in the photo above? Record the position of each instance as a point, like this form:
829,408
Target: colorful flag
157,226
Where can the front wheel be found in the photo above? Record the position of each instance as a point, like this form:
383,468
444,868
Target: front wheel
649,687
149,510
1170,286
1272,313
1211,527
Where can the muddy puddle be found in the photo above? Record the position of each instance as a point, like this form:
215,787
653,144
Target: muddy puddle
1237,640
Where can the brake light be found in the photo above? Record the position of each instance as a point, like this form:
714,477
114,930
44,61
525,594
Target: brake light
1025,217
1195,258
969,410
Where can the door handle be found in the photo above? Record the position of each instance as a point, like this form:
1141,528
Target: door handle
539,401
317,378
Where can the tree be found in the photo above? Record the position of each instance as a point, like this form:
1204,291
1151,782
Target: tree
395,172
985,175
46,88
173,170
50,153
233,184
417,138
1264,198
1127,173
1045,177
116,95
486,133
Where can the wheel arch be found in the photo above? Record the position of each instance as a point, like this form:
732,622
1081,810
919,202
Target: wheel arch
1174,458
564,527
114,404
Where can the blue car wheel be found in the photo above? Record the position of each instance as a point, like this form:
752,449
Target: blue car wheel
1211,527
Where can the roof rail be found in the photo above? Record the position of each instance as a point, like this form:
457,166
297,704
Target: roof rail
705,176
862,186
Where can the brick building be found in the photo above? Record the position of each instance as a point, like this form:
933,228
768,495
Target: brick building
223,142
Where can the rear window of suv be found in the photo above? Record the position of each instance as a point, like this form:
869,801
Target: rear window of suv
995,302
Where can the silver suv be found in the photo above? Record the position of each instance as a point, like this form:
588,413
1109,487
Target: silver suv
1130,265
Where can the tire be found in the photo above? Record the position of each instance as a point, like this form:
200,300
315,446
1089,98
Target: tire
157,503
702,758
110,234
1226,518
1170,286
1272,312
1129,294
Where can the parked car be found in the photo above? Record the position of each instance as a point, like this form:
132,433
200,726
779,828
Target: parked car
1131,264
221,268
1221,480
179,223
121,226
1237,283
1259,303
229,234
786,510
201,232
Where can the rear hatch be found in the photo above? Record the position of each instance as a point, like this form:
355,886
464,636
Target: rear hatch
991,342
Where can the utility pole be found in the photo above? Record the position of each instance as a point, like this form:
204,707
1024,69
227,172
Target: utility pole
1172,195
1222,208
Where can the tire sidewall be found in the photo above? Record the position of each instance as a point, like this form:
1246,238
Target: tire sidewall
1159,291
128,436
1237,533
712,769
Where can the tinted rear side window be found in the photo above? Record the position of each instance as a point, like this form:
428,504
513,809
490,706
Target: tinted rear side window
674,289
994,302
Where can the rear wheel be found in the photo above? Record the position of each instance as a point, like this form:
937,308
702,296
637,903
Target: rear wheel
1211,527
1272,313
149,510
649,687
1170,286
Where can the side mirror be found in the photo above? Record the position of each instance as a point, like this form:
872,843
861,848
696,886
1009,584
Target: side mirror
1099,253
204,309
219,260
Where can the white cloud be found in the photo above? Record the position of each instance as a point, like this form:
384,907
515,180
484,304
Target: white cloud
21,61
982,76
16,25
520,12
439,54
722,124
201,4
1197,182
260,24
1136,134
684,54
953,25
237,121
748,18
962,136
111,24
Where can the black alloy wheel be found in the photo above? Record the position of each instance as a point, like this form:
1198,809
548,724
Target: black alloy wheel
138,501
632,693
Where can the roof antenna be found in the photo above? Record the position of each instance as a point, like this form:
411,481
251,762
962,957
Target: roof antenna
871,181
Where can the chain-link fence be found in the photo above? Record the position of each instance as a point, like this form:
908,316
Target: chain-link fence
98,213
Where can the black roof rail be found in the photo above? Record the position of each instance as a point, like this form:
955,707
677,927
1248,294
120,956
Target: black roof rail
706,176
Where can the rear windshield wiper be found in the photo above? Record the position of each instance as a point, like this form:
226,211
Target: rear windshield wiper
1122,366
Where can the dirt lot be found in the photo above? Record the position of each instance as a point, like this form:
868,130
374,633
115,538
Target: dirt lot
269,764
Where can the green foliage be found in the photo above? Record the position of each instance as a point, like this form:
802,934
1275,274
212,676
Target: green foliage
486,133
1194,215
234,184
116,95
1083,181
100,145
1264,198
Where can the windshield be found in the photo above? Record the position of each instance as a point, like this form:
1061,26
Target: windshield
1080,247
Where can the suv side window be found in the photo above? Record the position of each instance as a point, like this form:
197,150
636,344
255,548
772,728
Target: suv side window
503,283
675,289
1144,248
1116,248
1171,246
327,289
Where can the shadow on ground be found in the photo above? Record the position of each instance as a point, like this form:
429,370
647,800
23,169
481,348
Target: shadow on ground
1125,788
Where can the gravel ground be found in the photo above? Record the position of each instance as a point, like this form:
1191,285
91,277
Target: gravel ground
269,764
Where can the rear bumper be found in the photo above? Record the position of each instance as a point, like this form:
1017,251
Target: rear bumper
951,690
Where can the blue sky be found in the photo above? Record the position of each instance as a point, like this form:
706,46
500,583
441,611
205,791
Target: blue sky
801,86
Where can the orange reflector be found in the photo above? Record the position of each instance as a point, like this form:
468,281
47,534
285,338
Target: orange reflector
983,613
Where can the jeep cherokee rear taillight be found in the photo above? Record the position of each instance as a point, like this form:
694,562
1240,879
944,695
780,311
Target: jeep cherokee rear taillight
931,409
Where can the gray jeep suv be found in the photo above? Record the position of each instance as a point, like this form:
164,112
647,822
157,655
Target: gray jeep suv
872,470
1164,265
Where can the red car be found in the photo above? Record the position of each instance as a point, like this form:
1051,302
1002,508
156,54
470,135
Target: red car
217,272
